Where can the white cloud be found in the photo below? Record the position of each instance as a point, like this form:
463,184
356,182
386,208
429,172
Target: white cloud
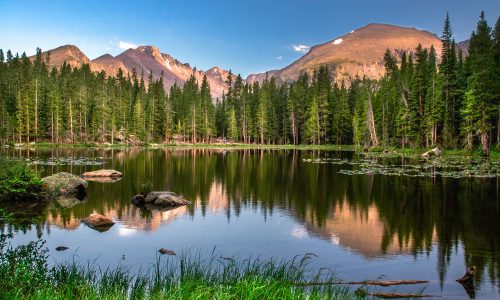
301,48
126,45
279,57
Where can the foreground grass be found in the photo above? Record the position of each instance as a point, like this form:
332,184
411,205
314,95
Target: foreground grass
184,277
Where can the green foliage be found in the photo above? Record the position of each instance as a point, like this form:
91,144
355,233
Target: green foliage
146,188
418,103
186,277
19,182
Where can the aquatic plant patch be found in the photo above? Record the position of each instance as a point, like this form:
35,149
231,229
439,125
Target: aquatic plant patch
65,161
413,166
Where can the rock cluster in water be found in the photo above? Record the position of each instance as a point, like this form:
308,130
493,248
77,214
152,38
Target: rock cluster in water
159,200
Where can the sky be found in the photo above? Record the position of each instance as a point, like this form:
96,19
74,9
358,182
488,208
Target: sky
244,36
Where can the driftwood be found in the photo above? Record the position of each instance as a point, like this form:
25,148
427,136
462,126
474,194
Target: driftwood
367,282
399,295
467,281
468,276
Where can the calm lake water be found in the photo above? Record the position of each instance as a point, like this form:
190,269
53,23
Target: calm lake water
276,203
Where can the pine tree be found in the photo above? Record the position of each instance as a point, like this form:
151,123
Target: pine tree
480,105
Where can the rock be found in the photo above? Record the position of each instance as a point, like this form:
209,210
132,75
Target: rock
169,200
61,248
152,196
433,152
98,222
138,199
66,184
160,200
166,251
103,173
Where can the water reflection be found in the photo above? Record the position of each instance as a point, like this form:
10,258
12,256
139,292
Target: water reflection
375,216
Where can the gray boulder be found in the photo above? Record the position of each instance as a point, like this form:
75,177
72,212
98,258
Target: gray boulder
170,200
66,184
160,199
138,199
152,196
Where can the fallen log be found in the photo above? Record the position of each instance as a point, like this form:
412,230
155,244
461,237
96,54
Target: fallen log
468,276
399,295
367,282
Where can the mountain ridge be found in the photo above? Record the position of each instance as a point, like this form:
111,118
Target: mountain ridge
357,53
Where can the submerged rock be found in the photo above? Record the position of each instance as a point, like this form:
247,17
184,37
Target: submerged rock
433,152
66,184
166,251
103,173
98,222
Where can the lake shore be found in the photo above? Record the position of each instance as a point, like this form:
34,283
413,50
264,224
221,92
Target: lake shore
241,146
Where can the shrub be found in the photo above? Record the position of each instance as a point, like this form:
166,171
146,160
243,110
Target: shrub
19,182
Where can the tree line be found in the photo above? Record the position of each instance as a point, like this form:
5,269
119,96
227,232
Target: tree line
423,100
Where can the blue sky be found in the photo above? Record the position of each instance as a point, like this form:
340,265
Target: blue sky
245,36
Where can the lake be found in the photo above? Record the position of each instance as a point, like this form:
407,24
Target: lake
278,204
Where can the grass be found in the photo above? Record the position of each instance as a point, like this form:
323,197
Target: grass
185,277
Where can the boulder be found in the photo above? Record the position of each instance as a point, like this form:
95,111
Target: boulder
169,200
160,199
152,196
138,199
433,152
98,222
66,184
103,173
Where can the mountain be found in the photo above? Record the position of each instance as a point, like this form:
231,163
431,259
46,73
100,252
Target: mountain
108,64
358,53
67,53
143,59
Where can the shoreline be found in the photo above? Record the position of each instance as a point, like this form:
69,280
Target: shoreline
241,146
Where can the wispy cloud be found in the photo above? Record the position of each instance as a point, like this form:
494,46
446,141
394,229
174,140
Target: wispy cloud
279,57
301,48
126,45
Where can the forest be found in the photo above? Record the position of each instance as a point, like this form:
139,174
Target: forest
452,101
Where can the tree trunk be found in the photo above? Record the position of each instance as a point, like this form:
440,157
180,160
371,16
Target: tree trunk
371,123
36,109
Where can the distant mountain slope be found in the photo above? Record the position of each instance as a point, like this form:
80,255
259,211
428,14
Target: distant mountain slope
359,53
143,59
67,53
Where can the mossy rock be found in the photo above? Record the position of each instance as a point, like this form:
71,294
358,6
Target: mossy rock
64,184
